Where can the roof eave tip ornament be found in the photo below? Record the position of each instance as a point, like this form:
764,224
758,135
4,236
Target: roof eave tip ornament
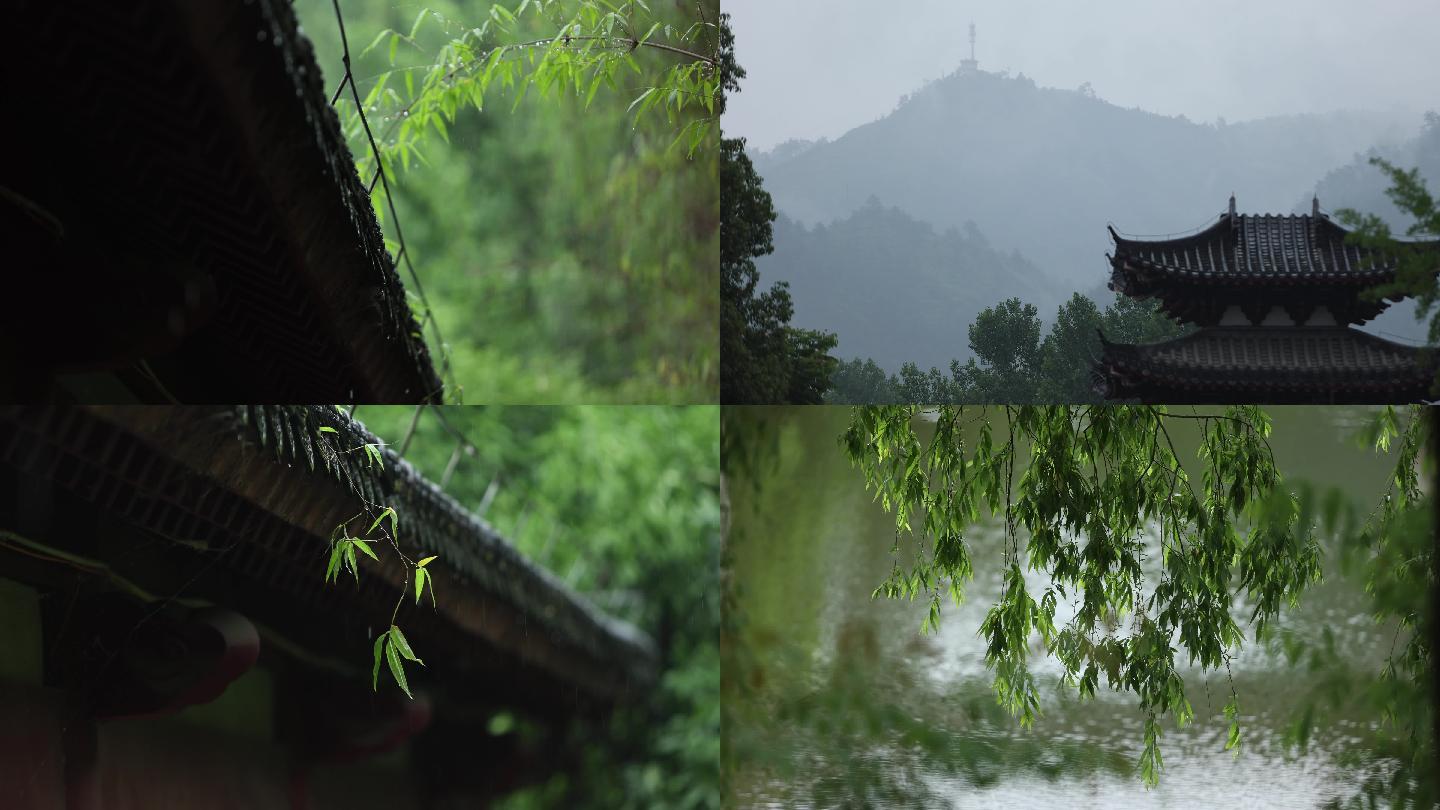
1232,205
1315,206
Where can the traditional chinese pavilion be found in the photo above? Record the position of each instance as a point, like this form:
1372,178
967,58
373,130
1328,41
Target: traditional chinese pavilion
1276,299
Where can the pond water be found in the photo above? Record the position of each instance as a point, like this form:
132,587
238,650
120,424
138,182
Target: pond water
833,699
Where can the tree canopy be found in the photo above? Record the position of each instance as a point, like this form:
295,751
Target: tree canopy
1230,533
1012,364
622,504
763,358
566,245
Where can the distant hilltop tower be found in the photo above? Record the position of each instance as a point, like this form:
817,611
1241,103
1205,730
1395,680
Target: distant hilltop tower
970,65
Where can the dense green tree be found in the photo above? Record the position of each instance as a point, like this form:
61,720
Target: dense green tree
810,365
623,504
1096,480
568,252
1135,320
762,359
1418,267
860,382
1072,348
1006,341
753,364
1069,352
914,385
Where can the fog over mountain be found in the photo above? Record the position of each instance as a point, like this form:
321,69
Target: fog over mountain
894,288
820,68
1034,174
1043,171
1361,186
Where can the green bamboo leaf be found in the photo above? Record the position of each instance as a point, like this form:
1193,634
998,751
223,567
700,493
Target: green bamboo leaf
333,568
419,583
328,429
364,546
376,41
419,18
397,668
639,99
594,86
426,561
379,651
387,512
403,644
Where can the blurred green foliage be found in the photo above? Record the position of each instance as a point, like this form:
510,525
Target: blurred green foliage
623,504
569,253
1392,549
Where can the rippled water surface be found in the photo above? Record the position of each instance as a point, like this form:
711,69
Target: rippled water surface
835,699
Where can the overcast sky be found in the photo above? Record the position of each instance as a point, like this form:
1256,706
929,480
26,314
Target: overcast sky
822,67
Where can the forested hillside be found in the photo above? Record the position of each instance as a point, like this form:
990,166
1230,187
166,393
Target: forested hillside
893,287
982,187
1042,170
1361,186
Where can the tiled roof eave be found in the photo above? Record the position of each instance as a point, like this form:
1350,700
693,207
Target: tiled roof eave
196,153
285,484
1157,273
1371,364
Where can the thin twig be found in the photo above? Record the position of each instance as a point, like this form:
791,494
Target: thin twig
385,185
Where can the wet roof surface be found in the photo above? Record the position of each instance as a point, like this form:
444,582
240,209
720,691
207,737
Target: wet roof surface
201,210
1250,364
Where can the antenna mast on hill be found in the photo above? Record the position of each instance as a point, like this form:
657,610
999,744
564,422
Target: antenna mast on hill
970,65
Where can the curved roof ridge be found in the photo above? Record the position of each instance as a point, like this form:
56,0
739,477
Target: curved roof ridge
1167,239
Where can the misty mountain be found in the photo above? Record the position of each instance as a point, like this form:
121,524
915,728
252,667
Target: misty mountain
780,153
1042,170
1361,186
894,288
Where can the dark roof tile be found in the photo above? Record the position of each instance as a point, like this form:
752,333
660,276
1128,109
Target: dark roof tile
1258,260
1254,364
1253,248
